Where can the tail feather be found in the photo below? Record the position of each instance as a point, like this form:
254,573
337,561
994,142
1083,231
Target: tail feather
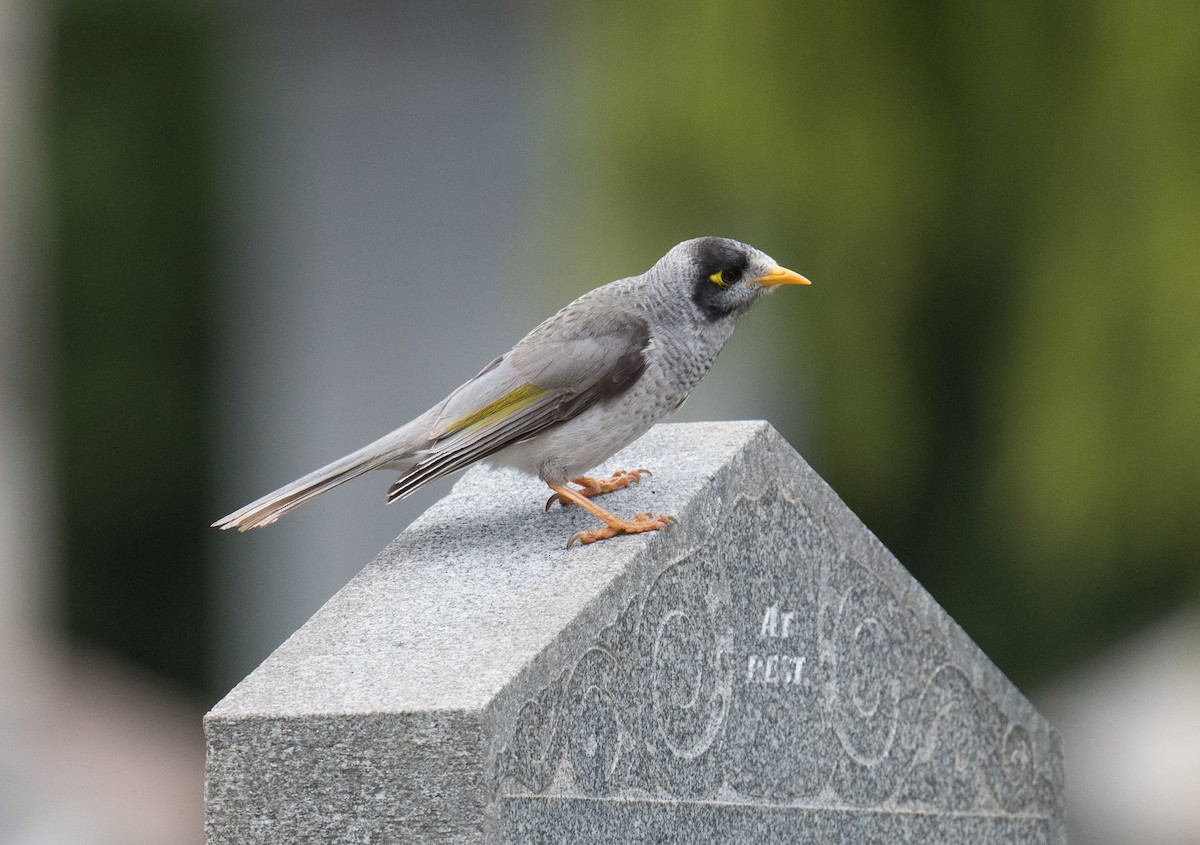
270,507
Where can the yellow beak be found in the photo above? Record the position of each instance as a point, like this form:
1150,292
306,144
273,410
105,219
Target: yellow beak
782,276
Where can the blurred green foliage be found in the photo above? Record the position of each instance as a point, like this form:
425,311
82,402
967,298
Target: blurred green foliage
131,166
999,204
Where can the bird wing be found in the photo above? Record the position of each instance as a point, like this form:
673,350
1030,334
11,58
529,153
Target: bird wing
559,370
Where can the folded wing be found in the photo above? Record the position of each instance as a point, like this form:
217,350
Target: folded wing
551,376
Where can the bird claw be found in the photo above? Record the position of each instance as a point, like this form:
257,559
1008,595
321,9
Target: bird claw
640,523
591,487
635,475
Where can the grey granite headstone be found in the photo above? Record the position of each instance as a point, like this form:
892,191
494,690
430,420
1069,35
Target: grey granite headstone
763,672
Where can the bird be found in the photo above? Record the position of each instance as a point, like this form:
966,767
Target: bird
578,388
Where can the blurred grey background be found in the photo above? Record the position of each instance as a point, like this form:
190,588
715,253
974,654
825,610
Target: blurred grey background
238,240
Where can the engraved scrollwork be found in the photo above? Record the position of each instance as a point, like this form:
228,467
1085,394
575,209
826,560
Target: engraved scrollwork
947,771
537,739
600,743
779,668
1010,771
686,671
971,757
871,694
646,704
688,708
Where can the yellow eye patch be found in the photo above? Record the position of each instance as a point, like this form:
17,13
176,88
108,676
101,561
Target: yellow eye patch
725,278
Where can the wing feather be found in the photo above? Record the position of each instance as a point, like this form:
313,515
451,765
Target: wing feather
551,376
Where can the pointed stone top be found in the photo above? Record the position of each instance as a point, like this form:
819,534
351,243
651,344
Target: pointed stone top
764,671
480,584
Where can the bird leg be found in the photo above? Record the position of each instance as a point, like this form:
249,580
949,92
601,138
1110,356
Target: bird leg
614,524
599,486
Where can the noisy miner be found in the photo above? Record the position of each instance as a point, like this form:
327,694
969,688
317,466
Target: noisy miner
575,390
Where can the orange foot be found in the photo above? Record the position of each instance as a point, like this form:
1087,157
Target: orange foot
617,525
599,486
614,524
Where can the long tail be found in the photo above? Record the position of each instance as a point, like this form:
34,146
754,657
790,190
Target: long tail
270,507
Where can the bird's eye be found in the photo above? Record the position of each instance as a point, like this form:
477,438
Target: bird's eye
725,277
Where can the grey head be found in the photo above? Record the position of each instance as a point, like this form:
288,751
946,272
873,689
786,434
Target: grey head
721,277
